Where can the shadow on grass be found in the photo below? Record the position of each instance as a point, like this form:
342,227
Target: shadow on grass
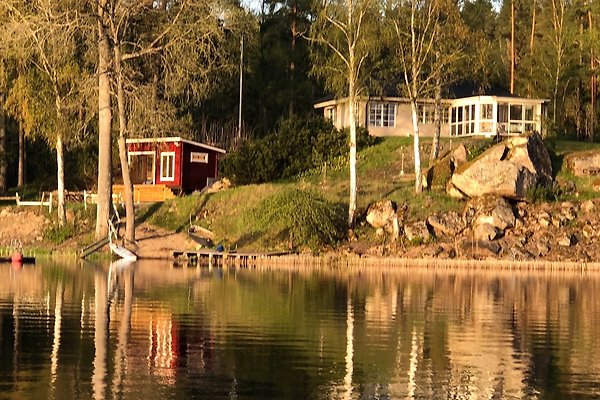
148,212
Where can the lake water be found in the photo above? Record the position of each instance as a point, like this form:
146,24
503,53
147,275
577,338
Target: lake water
151,331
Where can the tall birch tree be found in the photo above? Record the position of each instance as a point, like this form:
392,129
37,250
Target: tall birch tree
423,55
344,35
48,33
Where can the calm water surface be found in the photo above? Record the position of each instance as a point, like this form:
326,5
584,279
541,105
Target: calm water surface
149,331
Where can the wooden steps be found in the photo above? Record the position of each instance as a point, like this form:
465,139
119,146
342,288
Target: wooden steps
146,193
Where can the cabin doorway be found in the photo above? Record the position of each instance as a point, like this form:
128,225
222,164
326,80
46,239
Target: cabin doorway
142,167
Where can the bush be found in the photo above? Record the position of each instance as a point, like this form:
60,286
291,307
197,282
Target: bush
298,145
57,234
303,217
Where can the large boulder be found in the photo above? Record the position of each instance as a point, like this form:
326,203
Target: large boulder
508,169
584,163
440,172
489,217
382,215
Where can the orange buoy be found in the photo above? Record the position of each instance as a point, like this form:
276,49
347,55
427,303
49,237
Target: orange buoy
16,257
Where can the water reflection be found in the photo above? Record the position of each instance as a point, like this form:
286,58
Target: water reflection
149,331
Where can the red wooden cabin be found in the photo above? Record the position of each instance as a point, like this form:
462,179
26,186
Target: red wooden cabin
180,164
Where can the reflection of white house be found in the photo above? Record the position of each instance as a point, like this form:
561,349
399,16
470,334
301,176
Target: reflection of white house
466,116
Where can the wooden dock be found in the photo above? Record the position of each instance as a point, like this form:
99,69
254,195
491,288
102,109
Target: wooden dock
215,258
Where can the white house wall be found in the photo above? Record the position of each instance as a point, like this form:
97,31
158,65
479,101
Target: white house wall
403,118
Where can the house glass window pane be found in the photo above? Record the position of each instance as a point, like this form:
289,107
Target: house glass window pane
382,114
167,166
528,113
516,112
487,111
503,112
375,114
389,114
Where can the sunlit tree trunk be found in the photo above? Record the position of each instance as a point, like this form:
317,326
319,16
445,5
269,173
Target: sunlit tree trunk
3,163
22,156
60,178
435,148
415,121
128,185
104,125
512,46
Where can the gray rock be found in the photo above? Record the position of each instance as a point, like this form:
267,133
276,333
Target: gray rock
5,212
566,240
382,215
484,232
509,169
584,163
449,224
417,231
481,248
494,211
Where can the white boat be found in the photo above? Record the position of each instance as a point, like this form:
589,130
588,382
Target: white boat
115,248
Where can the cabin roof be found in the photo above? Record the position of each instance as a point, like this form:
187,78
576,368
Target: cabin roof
175,139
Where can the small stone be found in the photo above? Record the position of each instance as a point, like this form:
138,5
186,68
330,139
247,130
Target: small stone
565,241
5,212
588,206
544,219
380,232
588,232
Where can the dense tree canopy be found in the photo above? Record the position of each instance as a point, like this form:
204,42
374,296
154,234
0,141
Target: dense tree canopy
179,65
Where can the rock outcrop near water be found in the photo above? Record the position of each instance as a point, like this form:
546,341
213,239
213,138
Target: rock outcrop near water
508,169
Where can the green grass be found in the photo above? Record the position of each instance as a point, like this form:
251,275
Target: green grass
232,214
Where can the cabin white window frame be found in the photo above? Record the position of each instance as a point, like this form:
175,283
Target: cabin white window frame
330,114
165,155
199,157
382,114
131,154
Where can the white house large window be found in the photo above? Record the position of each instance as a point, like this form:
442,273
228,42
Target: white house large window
167,166
462,120
382,114
426,114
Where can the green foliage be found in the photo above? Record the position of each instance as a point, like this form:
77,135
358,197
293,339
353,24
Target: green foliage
303,217
544,193
57,234
299,145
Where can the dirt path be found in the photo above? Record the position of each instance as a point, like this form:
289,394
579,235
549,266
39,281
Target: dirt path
154,242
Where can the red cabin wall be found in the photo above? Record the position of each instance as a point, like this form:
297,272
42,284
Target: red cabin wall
189,176
159,148
195,175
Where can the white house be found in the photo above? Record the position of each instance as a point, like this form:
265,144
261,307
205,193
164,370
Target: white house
484,115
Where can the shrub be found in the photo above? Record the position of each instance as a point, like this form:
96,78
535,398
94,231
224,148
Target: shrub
57,234
303,217
298,145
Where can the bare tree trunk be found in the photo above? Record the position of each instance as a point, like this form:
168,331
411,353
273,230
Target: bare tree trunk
352,111
593,82
60,179
294,32
104,125
415,120
128,185
22,155
512,46
435,148
3,168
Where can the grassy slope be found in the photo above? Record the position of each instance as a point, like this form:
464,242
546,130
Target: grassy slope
229,214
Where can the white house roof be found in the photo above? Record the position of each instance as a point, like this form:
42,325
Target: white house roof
175,139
